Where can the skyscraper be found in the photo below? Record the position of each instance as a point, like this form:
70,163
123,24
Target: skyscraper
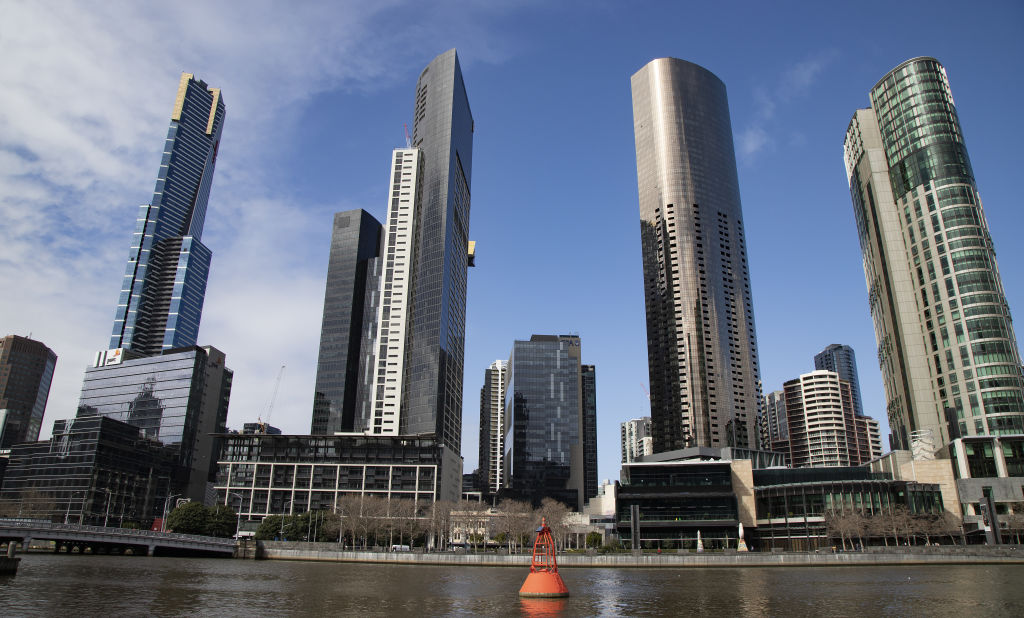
355,244
545,454
588,404
26,370
161,300
701,345
772,424
842,360
946,346
492,425
436,330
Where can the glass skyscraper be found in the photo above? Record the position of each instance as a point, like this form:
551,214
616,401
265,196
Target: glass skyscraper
26,371
701,346
355,245
161,300
545,443
842,360
946,345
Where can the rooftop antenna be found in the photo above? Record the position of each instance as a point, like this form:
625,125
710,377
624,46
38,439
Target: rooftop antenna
408,140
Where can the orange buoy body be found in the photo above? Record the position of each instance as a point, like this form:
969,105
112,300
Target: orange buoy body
544,580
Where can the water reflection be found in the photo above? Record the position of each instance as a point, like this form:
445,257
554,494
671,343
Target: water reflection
114,585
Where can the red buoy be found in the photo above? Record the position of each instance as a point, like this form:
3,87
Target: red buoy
544,580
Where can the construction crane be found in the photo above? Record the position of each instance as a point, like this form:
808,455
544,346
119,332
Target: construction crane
646,392
270,404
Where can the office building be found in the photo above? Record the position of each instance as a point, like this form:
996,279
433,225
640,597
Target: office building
94,471
701,345
946,346
254,428
492,426
162,294
823,429
545,447
772,424
588,401
278,474
635,439
179,398
26,370
842,360
355,246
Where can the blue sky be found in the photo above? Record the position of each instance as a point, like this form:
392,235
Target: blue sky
317,95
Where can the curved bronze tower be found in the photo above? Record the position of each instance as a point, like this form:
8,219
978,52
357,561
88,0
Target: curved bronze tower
701,346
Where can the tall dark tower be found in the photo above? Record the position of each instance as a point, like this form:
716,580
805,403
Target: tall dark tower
436,329
842,360
355,243
701,346
161,300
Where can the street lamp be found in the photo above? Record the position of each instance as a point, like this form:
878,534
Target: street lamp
167,501
281,533
107,515
238,525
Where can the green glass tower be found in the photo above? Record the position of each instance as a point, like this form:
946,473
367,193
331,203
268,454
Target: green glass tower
946,345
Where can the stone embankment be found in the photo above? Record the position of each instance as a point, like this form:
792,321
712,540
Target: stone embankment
279,550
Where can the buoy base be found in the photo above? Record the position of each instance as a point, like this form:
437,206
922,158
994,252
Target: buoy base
543,584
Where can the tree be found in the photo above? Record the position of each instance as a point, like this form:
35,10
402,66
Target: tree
189,518
222,521
554,513
593,539
269,528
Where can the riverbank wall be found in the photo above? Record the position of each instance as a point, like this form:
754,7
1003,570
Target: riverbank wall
328,552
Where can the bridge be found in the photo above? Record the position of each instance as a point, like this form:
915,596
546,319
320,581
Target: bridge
99,539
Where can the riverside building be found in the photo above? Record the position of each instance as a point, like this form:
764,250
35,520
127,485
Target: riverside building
164,285
492,426
701,346
946,345
26,370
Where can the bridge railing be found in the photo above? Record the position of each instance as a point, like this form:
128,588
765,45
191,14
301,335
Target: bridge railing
122,532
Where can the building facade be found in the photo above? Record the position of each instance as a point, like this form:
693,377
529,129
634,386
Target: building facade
588,401
823,429
772,424
355,244
635,439
545,443
178,398
161,301
286,474
492,426
841,359
26,370
701,345
94,471
946,346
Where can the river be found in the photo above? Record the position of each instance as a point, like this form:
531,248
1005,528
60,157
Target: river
54,585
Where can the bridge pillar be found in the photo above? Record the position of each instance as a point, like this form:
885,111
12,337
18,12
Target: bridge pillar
11,548
25,542
151,550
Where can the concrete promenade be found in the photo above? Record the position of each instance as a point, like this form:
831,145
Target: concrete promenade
279,550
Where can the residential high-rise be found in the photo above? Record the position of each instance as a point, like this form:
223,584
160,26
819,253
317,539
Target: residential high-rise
635,438
842,360
179,397
161,300
492,426
701,345
588,402
823,429
772,424
946,346
26,370
546,446
355,244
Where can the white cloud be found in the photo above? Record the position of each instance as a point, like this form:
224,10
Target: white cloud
87,92
796,81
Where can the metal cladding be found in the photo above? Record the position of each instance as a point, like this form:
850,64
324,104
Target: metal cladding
701,344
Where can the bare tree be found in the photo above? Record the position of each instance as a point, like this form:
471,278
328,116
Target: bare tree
441,523
555,514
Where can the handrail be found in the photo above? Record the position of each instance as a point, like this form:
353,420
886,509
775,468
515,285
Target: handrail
120,532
